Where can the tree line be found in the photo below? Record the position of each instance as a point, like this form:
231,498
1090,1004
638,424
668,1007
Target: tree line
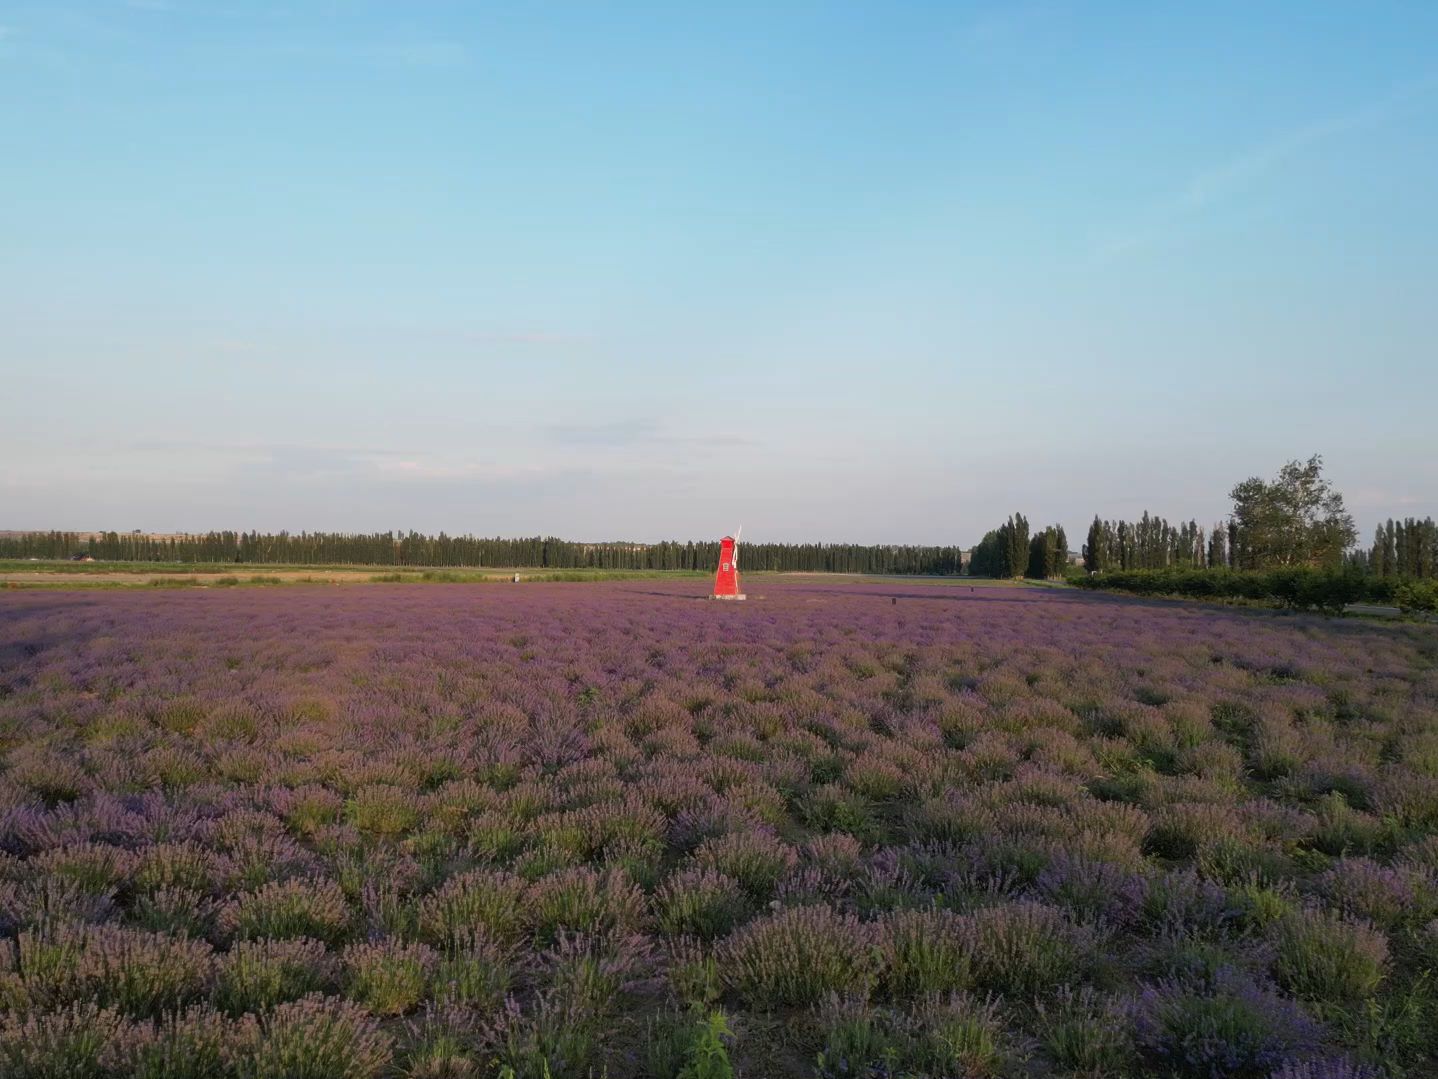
1010,551
1406,548
1151,543
415,549
1296,520
1289,540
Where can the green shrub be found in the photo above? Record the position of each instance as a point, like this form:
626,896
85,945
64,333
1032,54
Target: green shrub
318,1038
689,1045
383,809
1301,588
389,978
1023,948
480,900
287,909
1086,1033
699,902
925,951
475,971
78,1043
857,1041
798,956
957,1035
198,1044
1321,956
138,973
255,975
582,900
756,860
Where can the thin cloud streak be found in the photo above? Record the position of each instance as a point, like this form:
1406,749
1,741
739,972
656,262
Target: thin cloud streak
634,432
1226,180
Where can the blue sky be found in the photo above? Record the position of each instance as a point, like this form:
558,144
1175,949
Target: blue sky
836,271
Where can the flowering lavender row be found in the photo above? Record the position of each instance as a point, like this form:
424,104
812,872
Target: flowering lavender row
843,830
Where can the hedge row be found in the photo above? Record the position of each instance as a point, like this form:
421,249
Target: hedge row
1303,589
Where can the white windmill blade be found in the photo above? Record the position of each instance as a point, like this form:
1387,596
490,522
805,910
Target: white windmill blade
737,534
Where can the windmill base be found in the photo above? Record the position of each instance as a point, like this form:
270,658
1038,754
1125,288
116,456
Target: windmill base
739,596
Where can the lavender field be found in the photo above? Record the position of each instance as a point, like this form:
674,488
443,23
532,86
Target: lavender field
847,829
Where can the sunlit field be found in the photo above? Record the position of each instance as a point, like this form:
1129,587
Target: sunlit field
845,829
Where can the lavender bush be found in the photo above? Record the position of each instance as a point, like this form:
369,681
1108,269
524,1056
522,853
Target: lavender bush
877,829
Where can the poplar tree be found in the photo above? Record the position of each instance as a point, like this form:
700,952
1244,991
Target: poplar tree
1218,548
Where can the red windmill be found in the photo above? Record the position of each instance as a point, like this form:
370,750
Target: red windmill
726,580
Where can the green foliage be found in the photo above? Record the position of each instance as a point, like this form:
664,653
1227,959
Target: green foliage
945,1035
1087,1033
258,974
1048,554
382,809
1321,956
389,978
1329,590
925,952
475,972
73,1044
1149,543
1413,596
702,903
709,1055
1022,947
1004,552
1396,1032
319,1038
288,909
554,1040
1406,548
857,1041
198,1044
798,956
1298,519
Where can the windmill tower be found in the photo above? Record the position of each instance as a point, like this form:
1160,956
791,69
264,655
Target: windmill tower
726,578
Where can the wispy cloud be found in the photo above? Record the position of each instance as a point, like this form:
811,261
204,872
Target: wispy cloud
170,445
295,462
634,432
1367,498
1229,178
610,433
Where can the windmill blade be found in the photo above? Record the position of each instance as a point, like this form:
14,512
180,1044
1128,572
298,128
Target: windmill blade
737,534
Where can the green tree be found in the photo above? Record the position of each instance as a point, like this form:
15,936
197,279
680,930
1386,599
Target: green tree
1218,548
1094,549
988,557
1297,519
1038,563
1378,557
1014,534
1048,553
